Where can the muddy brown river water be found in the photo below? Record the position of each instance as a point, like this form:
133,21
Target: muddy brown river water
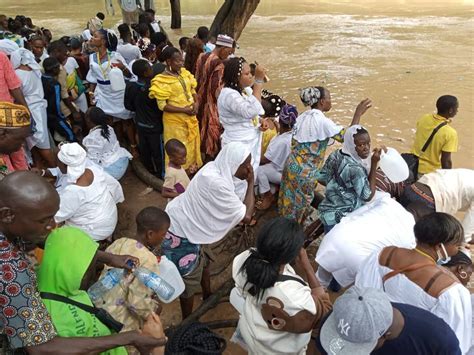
401,54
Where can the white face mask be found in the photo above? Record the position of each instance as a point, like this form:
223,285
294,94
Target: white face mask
443,260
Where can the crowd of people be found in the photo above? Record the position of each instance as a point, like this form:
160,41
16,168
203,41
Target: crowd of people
75,110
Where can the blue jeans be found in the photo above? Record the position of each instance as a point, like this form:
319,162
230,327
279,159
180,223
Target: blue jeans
117,169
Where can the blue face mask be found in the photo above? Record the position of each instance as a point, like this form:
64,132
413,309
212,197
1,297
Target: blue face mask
443,260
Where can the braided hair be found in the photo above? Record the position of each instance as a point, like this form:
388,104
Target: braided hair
194,339
232,71
99,118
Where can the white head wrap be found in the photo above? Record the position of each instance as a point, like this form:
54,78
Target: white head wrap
349,147
7,46
74,156
210,208
23,56
229,159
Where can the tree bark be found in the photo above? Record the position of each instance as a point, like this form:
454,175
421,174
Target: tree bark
175,14
232,17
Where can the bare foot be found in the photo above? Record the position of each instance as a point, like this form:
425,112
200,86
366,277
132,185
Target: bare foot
265,202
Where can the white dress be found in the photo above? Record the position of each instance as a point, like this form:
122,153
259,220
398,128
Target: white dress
111,102
238,115
453,305
453,191
101,151
381,223
32,89
255,331
91,208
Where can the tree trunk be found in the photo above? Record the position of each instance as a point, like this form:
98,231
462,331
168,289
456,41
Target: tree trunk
175,14
232,17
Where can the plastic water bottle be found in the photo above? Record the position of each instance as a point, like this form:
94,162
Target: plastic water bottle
151,280
105,284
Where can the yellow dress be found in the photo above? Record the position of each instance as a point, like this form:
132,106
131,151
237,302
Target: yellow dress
178,91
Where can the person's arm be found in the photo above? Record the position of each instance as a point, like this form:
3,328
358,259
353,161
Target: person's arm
73,346
446,162
373,171
119,261
318,292
258,84
188,110
249,200
264,160
17,95
168,193
361,108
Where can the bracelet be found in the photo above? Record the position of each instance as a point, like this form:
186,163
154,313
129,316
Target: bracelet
43,172
258,81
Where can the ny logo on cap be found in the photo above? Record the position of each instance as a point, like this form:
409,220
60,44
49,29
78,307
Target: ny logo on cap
344,327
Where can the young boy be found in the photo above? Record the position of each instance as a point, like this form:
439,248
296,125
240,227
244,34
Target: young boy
57,122
132,302
176,179
148,118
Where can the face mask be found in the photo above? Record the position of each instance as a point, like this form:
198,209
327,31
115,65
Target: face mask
441,260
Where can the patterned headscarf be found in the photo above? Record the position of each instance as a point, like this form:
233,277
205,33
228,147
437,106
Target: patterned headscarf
288,115
310,95
13,116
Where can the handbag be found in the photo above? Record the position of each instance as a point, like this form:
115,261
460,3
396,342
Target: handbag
101,314
413,160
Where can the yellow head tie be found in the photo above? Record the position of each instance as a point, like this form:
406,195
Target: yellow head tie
13,116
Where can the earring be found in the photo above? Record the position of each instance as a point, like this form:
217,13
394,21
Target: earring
463,275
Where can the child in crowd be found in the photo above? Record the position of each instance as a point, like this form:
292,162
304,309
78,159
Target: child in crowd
272,104
183,43
272,163
176,179
132,302
148,118
58,125
350,177
102,145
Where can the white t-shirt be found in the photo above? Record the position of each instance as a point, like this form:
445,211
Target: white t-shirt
129,52
255,331
91,208
453,305
278,150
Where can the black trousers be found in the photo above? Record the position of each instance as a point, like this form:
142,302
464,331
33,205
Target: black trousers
150,147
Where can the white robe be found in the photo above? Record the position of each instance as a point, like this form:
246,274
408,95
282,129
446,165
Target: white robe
370,228
91,208
32,89
111,102
210,207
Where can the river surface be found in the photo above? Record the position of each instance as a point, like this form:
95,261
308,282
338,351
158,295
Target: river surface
401,54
